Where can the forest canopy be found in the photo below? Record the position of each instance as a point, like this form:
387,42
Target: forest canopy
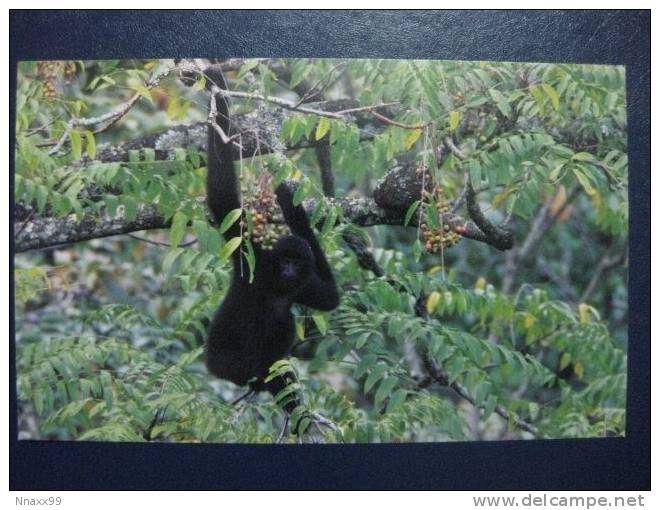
475,215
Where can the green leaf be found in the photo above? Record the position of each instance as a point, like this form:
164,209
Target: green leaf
106,384
322,128
433,301
396,400
149,154
301,68
385,389
587,312
583,156
247,66
474,168
143,91
584,182
366,363
42,197
111,204
412,137
552,94
501,102
454,120
108,80
178,229
376,374
362,340
91,144
76,144
489,406
411,211
230,248
130,208
554,174
229,220
299,194
251,258
330,221
173,108
321,323
300,330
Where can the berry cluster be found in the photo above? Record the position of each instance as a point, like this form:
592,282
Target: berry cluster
266,218
436,240
48,72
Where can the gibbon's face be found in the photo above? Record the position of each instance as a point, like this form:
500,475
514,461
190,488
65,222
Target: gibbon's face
294,261
292,269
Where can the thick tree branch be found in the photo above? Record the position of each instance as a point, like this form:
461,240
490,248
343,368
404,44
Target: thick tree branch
499,237
40,233
260,129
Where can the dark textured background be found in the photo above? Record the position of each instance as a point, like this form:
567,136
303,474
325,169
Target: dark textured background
608,37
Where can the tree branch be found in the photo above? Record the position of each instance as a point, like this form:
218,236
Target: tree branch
543,220
500,238
40,233
259,128
47,232
609,260
438,375
111,117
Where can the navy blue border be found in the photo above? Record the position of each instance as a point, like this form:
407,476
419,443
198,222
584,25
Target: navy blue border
609,37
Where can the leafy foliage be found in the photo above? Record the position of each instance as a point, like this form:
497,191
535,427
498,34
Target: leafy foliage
110,332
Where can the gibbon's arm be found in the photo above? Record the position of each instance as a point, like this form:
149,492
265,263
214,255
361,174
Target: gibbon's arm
321,290
221,186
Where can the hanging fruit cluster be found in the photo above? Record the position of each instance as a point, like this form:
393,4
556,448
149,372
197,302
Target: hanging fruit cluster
49,72
440,236
265,224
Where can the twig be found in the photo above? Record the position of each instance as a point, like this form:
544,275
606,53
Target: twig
437,374
387,120
283,431
321,420
161,243
440,377
607,262
369,109
543,220
280,102
111,117
311,91
449,142
242,397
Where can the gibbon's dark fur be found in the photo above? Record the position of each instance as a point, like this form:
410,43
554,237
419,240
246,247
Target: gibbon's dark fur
254,326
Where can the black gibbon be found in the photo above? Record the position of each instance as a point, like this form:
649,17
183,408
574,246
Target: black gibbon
254,326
